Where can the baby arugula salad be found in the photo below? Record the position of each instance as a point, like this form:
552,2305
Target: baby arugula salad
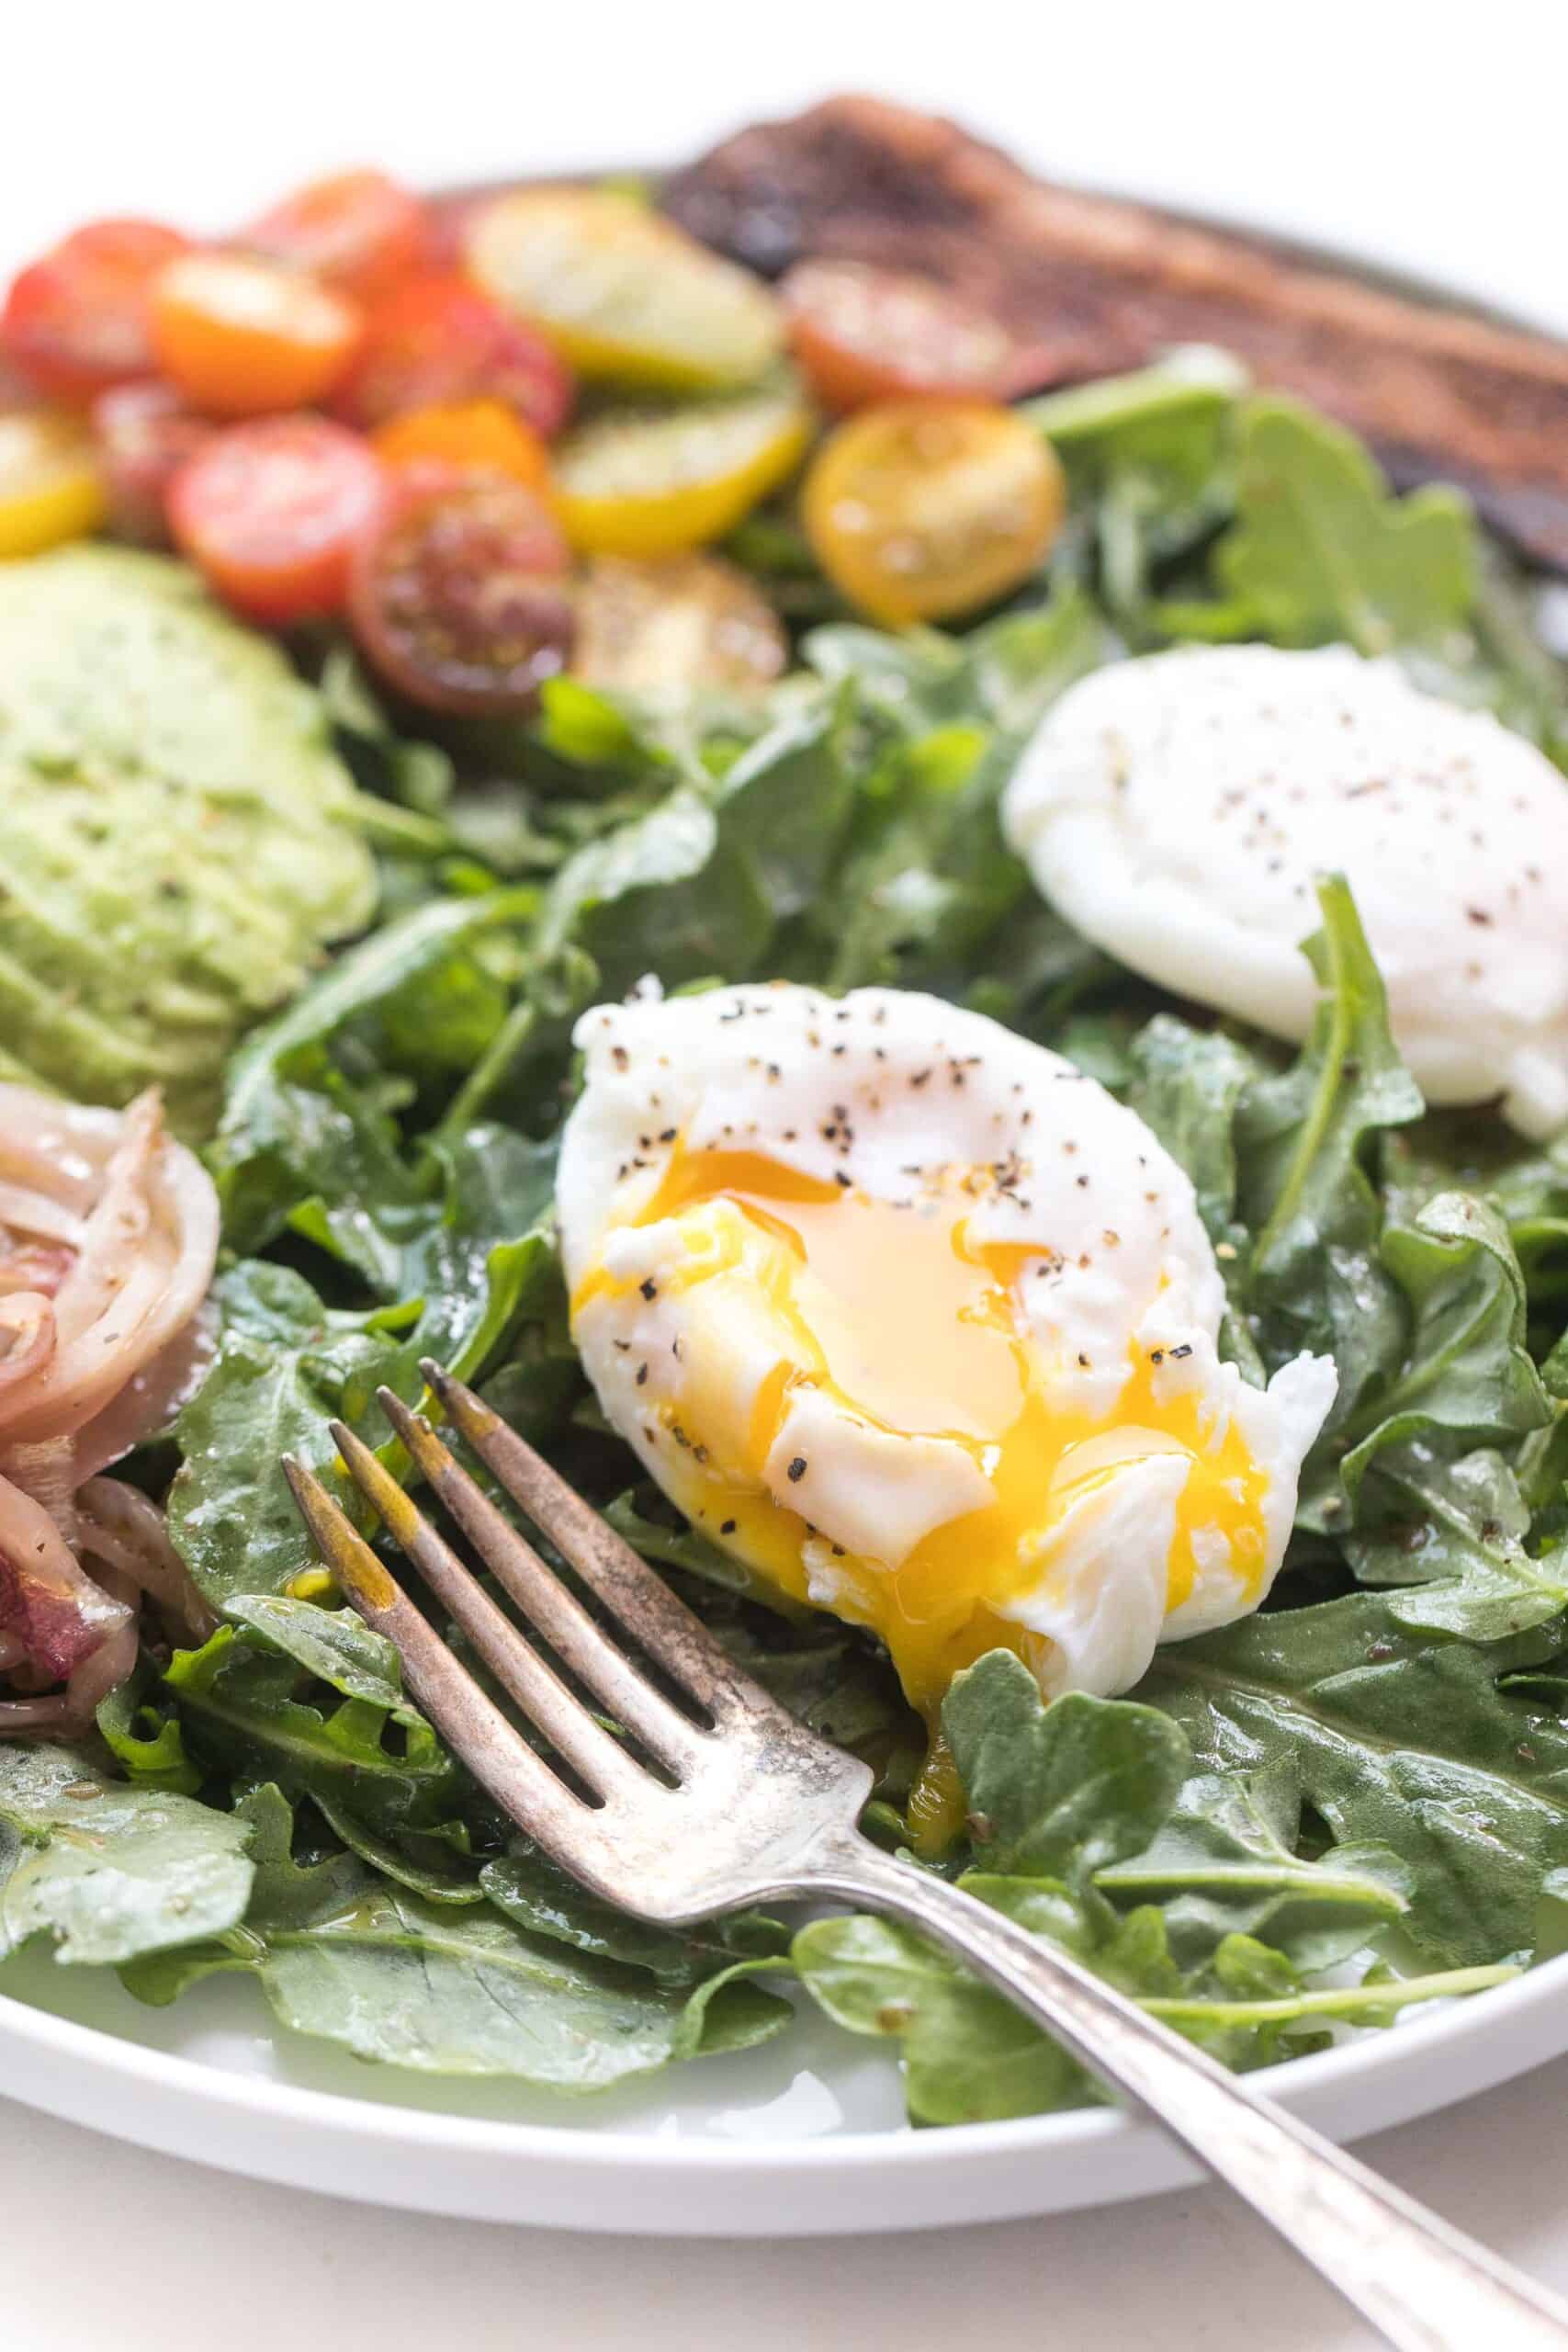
1004,936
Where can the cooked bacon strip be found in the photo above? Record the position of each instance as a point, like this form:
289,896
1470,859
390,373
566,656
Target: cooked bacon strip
1101,285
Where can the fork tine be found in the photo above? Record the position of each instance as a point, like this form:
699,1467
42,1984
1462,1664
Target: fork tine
582,1645
520,1781
666,1628
587,1746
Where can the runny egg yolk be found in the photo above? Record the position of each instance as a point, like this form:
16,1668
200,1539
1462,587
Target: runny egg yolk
914,1327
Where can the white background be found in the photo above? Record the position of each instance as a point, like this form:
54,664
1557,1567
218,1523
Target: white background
1430,136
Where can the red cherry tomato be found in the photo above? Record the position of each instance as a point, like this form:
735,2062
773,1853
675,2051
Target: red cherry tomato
76,320
458,597
437,341
144,433
271,511
359,231
865,334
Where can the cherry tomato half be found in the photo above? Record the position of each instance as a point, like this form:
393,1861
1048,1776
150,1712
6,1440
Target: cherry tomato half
439,340
865,334
76,320
651,482
622,292
143,435
359,231
923,509
270,512
458,598
246,338
467,433
50,490
691,620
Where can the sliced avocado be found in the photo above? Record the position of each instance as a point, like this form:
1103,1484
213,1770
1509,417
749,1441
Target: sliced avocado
178,839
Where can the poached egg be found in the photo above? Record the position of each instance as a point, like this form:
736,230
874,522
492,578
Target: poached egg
1176,808
916,1320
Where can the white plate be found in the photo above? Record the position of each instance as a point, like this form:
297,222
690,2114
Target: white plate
803,2136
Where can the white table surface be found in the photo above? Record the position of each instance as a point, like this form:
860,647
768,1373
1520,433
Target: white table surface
1431,137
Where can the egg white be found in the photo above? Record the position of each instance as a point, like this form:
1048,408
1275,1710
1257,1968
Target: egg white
1178,808
881,1092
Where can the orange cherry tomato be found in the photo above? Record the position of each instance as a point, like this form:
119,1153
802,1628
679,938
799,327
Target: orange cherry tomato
923,510
271,511
143,435
242,337
77,321
465,432
359,231
865,334
49,488
439,340
458,597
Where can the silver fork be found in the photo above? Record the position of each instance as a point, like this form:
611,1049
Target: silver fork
748,1806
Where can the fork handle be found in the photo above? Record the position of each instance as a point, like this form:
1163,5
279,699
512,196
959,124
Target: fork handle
1426,2286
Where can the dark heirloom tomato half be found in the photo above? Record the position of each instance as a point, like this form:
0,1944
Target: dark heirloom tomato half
144,433
360,231
271,511
437,340
77,321
866,334
459,597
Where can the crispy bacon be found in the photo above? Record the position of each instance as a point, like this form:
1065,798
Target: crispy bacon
1098,285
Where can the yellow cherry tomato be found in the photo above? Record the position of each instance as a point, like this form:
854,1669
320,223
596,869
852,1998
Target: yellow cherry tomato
49,488
651,482
621,293
925,509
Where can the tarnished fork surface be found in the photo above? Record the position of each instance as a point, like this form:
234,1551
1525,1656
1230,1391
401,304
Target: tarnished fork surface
723,1801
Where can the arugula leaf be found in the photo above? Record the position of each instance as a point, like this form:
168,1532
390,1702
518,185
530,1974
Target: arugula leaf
1226,1862
282,1370
697,887
970,2057
110,1871
531,1889
1305,1138
462,1268
448,1991
1400,1738
1467,1373
1322,552
1455,1531
1188,1087
334,1645
1060,1790
243,1710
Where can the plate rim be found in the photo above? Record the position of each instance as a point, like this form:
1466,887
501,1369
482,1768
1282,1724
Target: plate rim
961,2173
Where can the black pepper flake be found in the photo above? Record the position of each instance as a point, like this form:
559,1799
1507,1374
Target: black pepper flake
726,1526
918,1076
642,1376
1083,1360
1082,1183
842,1176
649,1288
667,1135
1156,1355
796,1471
1184,1349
